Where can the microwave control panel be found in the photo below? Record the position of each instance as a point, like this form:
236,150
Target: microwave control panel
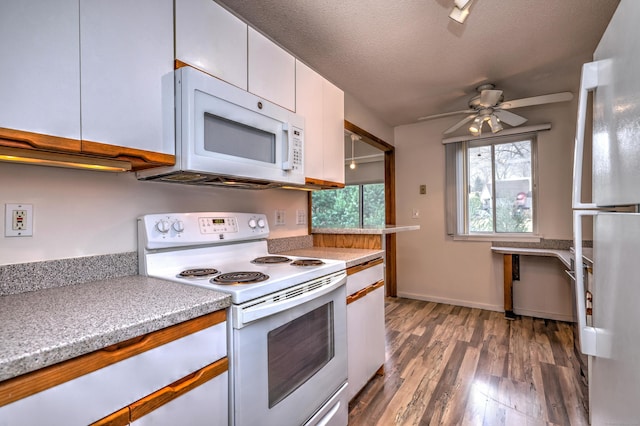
297,157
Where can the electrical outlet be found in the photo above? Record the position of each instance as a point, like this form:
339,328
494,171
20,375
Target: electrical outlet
423,189
279,217
18,220
301,217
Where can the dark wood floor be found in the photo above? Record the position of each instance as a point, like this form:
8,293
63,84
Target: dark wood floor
449,365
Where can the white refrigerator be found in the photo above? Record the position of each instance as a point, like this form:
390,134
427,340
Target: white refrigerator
612,339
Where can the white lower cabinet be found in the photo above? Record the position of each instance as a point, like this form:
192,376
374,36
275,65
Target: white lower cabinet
205,404
365,325
176,375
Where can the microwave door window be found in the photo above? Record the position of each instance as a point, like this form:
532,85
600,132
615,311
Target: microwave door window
238,140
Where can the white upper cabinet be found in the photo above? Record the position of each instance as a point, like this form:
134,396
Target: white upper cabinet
322,105
272,71
333,132
40,74
210,38
127,66
309,104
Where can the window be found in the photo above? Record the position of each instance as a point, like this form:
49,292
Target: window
354,206
491,186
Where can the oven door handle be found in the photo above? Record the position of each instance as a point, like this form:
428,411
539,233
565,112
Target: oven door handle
249,312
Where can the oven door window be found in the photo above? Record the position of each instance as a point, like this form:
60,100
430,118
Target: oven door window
299,349
228,137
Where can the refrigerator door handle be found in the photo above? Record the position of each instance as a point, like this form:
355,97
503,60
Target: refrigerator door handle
588,82
587,334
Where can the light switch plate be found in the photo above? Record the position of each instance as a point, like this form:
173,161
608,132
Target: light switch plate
18,220
279,217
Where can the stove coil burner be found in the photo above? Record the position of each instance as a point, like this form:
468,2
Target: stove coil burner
198,273
307,262
240,278
270,259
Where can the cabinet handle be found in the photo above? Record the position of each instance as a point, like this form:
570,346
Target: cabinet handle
362,293
368,264
357,295
167,394
119,418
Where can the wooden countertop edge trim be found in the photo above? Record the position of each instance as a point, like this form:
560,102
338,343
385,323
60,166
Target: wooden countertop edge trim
31,383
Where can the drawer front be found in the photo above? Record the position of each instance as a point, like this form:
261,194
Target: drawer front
364,278
205,405
98,394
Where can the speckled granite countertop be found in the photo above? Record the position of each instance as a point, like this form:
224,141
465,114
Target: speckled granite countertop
351,256
388,229
44,327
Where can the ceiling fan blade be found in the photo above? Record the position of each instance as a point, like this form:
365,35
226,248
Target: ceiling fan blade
447,114
489,98
537,100
510,118
459,124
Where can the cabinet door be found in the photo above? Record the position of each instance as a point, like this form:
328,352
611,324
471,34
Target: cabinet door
309,86
127,73
39,88
365,336
333,132
212,39
272,71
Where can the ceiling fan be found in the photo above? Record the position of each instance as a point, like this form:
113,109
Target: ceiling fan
489,107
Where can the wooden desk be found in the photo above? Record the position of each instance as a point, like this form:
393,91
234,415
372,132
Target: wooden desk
508,267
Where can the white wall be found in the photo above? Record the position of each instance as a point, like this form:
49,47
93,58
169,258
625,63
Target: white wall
364,118
433,267
79,213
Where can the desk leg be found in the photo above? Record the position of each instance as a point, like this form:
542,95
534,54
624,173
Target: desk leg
508,287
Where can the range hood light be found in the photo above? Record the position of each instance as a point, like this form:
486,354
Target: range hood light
55,159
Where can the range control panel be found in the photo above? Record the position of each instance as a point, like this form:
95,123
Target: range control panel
191,229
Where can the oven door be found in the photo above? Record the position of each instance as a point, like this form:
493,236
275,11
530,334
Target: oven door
290,364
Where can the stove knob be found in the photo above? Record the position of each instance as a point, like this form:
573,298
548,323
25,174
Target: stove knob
252,223
178,226
163,226
261,223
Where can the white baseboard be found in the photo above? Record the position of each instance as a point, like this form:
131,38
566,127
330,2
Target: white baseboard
456,302
498,308
545,315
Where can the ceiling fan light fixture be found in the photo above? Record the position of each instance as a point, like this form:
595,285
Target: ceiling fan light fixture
494,123
476,126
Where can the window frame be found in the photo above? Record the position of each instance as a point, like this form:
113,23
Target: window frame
459,230
360,187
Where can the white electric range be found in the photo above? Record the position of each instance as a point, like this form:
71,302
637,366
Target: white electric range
287,321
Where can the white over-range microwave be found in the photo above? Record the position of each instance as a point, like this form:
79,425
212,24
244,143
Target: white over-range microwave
226,136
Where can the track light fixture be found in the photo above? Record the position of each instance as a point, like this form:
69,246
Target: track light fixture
460,11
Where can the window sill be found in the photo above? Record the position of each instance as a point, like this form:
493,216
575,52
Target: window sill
499,237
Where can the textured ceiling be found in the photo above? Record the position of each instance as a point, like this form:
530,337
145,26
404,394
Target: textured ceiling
404,59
